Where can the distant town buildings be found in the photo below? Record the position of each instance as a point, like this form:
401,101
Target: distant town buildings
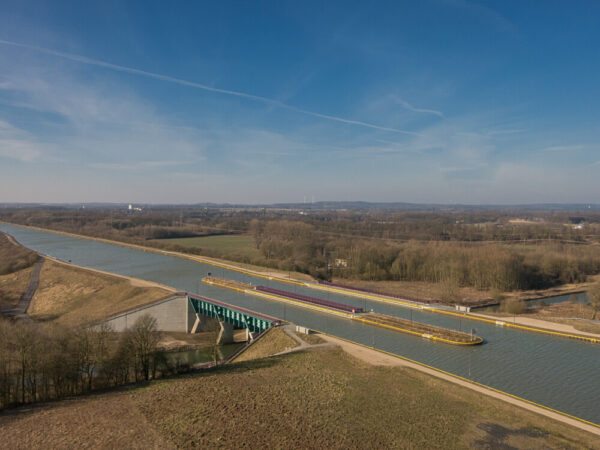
133,209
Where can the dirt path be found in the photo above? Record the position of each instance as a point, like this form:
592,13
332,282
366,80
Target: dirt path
302,345
538,323
378,358
20,311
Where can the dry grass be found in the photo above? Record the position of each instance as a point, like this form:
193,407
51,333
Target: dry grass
567,313
74,296
14,257
312,339
275,341
13,286
315,399
96,421
15,271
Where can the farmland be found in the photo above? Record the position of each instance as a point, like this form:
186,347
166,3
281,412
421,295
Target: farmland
227,245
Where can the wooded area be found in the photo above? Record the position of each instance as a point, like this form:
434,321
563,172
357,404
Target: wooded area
40,362
503,250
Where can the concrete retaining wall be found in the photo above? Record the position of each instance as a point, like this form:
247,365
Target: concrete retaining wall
172,314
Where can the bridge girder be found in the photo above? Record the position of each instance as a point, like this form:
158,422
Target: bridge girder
237,318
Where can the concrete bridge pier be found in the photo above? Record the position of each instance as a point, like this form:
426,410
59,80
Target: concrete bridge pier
197,327
225,333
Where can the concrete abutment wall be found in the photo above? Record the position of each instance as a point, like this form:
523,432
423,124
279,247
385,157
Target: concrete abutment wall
176,314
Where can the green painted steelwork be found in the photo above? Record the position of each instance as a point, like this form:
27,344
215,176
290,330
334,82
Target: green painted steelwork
237,318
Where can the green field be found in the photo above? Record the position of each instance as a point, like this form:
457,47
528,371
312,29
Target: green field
228,244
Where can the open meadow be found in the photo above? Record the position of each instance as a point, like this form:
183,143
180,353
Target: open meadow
226,245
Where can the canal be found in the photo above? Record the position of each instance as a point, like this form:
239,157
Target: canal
559,373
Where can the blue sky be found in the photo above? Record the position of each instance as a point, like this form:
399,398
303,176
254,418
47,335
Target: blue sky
443,101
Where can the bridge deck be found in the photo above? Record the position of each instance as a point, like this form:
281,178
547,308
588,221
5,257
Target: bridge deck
238,316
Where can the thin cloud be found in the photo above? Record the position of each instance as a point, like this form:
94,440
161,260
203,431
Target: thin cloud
410,107
137,165
564,148
169,79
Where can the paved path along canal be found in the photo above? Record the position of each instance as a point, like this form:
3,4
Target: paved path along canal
555,372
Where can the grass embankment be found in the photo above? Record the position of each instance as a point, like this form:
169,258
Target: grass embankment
13,286
73,296
311,339
317,399
227,245
420,328
274,341
15,271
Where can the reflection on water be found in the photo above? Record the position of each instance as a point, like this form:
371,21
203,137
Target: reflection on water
556,372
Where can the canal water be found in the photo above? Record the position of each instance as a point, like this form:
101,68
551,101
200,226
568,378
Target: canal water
556,372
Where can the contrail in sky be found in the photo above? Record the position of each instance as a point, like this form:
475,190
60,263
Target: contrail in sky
167,78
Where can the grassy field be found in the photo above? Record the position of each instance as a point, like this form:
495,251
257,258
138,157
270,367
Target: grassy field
318,399
274,341
72,296
227,244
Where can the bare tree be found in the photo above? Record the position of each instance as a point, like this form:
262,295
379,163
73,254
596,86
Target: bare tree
594,297
144,337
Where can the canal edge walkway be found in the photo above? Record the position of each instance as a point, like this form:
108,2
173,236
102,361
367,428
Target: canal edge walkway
539,323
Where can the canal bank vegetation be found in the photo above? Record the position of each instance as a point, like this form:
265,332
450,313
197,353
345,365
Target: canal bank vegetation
453,256
322,398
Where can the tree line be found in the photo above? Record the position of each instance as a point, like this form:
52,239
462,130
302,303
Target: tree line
483,249
291,245
41,362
